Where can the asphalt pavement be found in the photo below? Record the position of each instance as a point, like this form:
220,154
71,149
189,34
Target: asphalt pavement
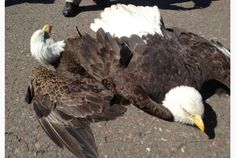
136,134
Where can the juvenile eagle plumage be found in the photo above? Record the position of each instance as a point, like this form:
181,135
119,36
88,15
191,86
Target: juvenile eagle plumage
66,106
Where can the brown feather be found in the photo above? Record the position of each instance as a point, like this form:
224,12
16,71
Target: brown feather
66,104
179,58
103,63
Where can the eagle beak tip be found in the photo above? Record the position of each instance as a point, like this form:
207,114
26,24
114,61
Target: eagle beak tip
199,123
47,28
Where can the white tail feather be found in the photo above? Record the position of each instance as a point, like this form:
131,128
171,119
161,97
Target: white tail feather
124,20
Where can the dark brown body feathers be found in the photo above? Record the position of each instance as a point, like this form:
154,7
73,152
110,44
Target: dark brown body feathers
179,58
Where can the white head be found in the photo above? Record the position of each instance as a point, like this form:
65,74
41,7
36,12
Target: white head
186,105
43,48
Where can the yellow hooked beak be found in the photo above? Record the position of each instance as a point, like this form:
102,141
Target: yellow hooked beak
197,119
47,28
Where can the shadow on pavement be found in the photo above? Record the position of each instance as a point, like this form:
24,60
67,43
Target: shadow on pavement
169,4
162,4
210,119
14,2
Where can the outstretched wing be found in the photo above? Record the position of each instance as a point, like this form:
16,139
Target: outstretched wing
65,106
66,131
103,56
213,56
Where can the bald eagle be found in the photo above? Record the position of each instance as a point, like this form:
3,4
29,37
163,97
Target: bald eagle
158,62
70,65
160,71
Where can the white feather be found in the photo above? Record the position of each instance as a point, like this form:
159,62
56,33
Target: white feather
124,20
183,98
44,50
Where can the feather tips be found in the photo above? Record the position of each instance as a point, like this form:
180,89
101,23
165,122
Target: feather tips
124,20
65,106
76,135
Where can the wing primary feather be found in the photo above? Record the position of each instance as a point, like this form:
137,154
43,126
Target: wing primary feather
76,135
73,133
47,127
82,136
90,57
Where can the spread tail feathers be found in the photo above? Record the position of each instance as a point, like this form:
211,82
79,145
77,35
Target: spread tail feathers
125,20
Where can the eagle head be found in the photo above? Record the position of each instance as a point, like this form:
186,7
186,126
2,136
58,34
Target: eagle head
186,105
43,48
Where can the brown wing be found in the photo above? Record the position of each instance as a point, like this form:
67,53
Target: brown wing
78,97
99,56
103,58
92,101
64,130
156,67
211,55
87,104
64,106
69,64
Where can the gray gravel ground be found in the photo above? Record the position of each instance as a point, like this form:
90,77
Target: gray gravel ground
134,135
